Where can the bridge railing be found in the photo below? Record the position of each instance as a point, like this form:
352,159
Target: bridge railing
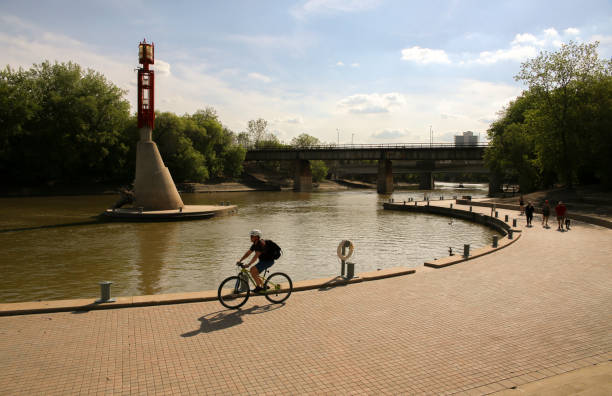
388,146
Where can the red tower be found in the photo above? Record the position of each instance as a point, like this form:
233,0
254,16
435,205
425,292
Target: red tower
146,85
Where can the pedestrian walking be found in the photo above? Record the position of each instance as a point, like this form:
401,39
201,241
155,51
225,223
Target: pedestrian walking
560,210
545,214
529,213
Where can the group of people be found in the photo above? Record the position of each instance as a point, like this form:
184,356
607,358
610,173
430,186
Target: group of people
560,211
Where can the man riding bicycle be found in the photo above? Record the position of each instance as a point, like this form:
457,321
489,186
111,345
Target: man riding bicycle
264,252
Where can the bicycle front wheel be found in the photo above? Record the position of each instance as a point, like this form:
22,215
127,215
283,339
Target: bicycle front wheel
278,287
233,292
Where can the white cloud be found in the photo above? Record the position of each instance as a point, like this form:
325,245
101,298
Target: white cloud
355,65
259,77
571,31
371,103
515,53
339,63
162,68
424,55
390,134
313,7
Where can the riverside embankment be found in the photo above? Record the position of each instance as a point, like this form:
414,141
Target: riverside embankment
514,319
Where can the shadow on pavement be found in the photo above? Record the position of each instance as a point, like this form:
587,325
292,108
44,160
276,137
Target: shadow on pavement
227,318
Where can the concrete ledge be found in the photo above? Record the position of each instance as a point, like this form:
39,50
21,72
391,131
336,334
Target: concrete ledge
491,222
497,224
451,260
37,307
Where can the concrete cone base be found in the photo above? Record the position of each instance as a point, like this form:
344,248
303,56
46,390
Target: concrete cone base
188,212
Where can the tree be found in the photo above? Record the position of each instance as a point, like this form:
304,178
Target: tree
257,130
558,80
305,140
59,124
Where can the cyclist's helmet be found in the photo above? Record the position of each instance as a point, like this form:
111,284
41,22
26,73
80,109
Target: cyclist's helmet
256,233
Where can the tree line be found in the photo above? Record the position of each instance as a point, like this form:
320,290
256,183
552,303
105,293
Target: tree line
63,125
559,130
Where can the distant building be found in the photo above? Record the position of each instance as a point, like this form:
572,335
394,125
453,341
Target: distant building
467,139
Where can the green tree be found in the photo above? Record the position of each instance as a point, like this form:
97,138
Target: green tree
559,81
59,123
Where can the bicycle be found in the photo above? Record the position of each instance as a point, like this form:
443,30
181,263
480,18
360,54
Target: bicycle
234,291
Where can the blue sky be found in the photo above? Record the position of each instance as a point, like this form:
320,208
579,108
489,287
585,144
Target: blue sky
370,71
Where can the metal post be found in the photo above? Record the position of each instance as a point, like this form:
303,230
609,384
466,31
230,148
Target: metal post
496,214
494,241
466,250
470,208
451,206
350,270
513,222
506,218
105,292
510,234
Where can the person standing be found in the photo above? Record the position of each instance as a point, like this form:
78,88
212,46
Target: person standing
529,213
560,210
545,214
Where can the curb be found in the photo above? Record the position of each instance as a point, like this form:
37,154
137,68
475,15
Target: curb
26,308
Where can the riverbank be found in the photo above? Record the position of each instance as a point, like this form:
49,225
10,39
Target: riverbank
593,201
522,321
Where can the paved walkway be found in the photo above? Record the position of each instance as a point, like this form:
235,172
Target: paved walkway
536,309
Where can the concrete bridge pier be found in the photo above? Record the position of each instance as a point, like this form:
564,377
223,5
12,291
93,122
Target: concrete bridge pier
426,181
303,176
385,177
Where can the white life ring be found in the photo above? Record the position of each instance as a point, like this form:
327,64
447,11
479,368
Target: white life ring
350,252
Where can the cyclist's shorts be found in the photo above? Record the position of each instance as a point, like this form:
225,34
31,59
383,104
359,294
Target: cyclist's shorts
263,265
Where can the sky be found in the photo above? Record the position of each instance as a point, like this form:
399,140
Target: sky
344,71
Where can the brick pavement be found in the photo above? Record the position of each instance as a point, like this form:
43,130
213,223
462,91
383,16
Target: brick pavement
538,308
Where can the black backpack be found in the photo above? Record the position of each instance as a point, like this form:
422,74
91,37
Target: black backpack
274,249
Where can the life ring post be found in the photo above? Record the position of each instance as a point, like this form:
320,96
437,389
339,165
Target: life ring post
343,255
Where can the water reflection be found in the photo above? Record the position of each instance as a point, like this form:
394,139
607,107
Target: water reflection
154,242
49,262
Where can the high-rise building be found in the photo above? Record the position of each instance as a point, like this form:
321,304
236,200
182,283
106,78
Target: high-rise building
467,139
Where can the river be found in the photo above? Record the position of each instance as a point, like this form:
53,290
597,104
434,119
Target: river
53,247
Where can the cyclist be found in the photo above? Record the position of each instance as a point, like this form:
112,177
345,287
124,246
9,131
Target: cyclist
263,252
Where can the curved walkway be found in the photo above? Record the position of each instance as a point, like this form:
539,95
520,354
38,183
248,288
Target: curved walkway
538,308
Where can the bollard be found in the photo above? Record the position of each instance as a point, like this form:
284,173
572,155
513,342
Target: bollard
450,251
470,208
105,292
494,241
496,214
451,206
513,222
506,218
415,203
181,209
350,270
510,234
466,250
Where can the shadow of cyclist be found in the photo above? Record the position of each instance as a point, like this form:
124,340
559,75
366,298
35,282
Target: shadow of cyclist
227,318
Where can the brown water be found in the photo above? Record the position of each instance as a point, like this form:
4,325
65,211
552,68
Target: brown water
54,248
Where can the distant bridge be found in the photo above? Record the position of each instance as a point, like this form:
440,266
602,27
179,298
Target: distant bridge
421,158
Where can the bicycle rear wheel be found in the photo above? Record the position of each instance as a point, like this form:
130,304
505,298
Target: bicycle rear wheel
230,292
278,287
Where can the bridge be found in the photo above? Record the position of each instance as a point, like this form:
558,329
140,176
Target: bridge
422,158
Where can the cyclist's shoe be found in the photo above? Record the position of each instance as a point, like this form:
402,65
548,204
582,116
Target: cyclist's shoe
260,289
